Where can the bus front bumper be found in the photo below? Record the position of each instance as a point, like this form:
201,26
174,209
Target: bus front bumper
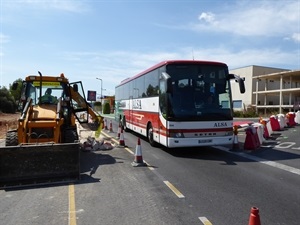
198,142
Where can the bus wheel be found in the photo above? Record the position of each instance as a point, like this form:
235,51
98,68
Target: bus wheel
150,136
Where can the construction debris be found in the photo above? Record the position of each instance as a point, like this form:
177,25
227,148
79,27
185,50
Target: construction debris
91,144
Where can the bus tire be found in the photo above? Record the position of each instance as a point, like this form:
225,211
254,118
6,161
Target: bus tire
150,135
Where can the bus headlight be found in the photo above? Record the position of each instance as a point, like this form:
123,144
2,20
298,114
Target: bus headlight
229,133
176,135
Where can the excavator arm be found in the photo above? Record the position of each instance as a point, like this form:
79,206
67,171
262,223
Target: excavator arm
83,111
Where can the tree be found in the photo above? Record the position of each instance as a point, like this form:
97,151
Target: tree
16,93
106,108
7,101
8,97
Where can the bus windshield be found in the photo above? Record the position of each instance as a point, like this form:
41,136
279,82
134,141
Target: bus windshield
198,92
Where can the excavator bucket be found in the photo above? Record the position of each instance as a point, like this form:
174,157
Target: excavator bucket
39,164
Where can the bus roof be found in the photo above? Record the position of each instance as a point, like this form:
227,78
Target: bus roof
163,63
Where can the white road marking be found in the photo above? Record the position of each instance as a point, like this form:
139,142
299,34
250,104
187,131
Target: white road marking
261,160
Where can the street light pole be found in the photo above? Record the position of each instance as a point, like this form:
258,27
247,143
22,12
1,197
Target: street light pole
101,87
100,92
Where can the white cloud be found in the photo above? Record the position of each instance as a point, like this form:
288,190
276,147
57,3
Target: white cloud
4,38
208,18
296,37
115,66
257,18
272,57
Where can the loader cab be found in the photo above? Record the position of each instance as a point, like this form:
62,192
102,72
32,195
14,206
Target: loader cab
48,97
51,94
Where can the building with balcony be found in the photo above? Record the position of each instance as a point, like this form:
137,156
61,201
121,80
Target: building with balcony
268,90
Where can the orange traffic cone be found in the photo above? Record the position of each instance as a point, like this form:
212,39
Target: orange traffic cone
110,127
138,158
119,131
105,124
266,132
121,141
254,217
235,146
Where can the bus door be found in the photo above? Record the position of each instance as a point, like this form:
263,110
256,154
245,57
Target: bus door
164,91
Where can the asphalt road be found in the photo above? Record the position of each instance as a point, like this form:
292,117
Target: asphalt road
211,185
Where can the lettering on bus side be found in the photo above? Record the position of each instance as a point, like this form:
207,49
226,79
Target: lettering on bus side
222,124
137,104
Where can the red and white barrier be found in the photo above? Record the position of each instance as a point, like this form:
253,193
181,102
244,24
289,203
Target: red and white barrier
252,140
260,132
267,127
291,119
297,117
282,121
274,123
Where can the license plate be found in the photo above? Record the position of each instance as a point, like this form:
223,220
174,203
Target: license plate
204,141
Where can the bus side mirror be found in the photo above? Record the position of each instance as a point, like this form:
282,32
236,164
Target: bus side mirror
240,80
166,77
242,85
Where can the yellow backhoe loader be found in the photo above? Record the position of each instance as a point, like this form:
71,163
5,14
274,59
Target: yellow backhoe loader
45,146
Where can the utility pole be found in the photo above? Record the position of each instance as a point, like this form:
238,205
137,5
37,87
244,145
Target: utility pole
100,93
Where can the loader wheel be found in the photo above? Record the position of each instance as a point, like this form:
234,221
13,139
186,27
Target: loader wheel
70,136
11,138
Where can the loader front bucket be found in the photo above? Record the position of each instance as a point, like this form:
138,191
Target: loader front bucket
39,164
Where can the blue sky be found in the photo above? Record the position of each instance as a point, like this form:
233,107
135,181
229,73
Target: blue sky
116,39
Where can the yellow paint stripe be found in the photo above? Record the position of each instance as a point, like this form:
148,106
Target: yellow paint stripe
72,211
171,186
205,221
149,166
129,150
174,189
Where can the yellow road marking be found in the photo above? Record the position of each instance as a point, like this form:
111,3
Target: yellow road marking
205,221
174,189
72,212
171,186
129,150
149,166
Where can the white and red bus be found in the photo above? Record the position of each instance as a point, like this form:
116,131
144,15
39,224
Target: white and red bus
179,103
